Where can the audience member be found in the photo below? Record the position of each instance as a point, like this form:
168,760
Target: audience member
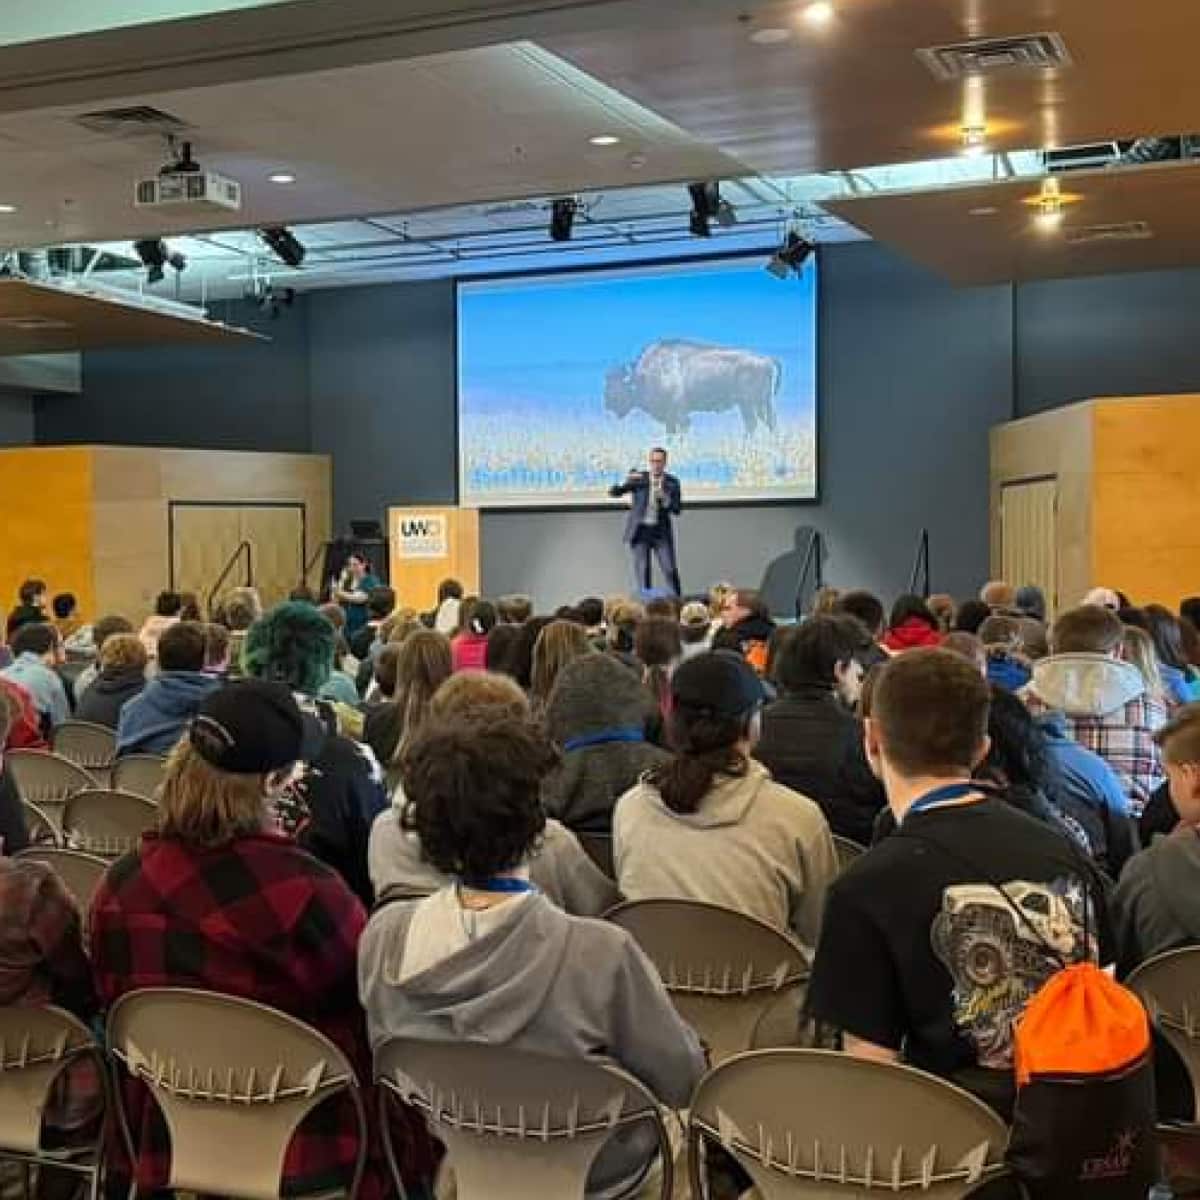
189,607
284,934
469,647
596,718
522,651
14,834
102,630
1104,700
898,965
449,601
25,731
422,664
824,601
999,596
218,649
558,867
490,957
1137,649
911,626
1179,679
558,644
122,676
1030,601
710,825
331,805
944,607
591,616
240,608
658,647
811,740
695,629
381,603
516,610
1154,909
623,620
868,609
1133,617
746,617
37,651
971,615
1007,664
1190,637
1035,644
666,606
1100,597
504,645
31,606
155,719
969,647
167,607
65,608
353,590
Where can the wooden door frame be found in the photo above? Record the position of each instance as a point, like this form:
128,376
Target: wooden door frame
172,505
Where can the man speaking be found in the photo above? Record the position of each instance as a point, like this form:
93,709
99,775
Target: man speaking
656,499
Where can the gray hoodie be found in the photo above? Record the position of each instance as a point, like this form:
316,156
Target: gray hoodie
753,846
1086,685
542,981
1157,903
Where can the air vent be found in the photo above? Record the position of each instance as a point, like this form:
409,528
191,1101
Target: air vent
1122,231
139,120
33,324
987,56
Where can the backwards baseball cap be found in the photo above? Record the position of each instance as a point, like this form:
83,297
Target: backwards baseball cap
250,727
695,613
721,683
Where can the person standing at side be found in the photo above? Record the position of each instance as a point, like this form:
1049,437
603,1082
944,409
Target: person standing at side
649,528
353,590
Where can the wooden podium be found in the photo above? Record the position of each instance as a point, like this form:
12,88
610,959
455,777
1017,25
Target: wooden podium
427,545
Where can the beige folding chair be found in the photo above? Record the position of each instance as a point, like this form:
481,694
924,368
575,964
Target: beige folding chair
234,1081
847,851
92,747
38,825
80,873
518,1124
729,975
36,1046
1169,986
599,848
822,1125
47,779
141,774
108,824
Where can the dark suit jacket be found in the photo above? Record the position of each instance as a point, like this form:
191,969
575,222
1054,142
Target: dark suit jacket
639,484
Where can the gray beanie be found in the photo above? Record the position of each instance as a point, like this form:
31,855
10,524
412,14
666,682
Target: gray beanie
592,693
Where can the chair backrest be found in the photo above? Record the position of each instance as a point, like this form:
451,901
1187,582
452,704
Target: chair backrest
141,774
36,1045
92,747
107,823
47,779
80,873
847,851
725,971
599,848
516,1123
822,1125
1169,986
39,826
234,1080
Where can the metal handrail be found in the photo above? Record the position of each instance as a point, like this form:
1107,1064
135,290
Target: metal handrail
920,571
319,552
812,563
243,548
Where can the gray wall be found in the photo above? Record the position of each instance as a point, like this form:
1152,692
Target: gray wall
16,419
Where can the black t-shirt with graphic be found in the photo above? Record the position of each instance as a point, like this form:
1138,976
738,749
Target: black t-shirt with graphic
920,952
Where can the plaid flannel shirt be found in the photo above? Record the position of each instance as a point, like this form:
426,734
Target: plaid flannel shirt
261,919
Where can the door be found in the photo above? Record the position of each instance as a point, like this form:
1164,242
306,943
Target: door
1029,535
205,538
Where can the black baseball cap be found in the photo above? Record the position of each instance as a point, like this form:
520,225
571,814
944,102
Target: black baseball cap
721,681
250,727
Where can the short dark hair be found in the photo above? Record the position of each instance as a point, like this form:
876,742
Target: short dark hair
168,604
107,626
472,793
808,653
183,647
910,607
216,643
660,450
867,607
64,604
666,607
930,708
381,601
387,665
1163,626
503,654
1017,757
30,590
35,637
1179,738
362,557
971,615
482,618
514,610
591,611
449,589
1087,629
1189,610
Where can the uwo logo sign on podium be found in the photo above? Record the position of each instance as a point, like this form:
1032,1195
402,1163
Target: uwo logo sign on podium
423,535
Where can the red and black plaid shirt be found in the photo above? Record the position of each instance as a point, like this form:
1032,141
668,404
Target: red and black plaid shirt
261,919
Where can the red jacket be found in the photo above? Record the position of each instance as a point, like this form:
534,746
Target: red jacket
26,731
468,652
911,634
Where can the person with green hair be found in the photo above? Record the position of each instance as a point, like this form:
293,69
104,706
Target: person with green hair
339,791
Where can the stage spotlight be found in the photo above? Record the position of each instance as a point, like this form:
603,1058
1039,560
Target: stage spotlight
154,256
284,244
562,218
791,255
706,207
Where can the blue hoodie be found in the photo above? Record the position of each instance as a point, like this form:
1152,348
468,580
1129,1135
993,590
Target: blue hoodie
1180,686
154,721
1078,773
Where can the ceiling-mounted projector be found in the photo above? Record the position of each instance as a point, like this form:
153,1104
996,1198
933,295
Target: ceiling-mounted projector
182,187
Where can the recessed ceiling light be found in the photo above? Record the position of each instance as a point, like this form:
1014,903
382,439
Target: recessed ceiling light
772,35
282,177
819,13
6,209
605,139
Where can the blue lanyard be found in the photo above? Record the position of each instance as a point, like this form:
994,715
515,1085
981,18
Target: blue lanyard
952,791
630,733
499,883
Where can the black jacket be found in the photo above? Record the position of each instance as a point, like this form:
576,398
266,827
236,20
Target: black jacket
106,695
13,833
812,744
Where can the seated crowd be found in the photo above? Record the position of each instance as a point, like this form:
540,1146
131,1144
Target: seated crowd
391,823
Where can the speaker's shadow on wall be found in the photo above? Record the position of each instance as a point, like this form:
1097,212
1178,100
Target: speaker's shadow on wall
781,579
